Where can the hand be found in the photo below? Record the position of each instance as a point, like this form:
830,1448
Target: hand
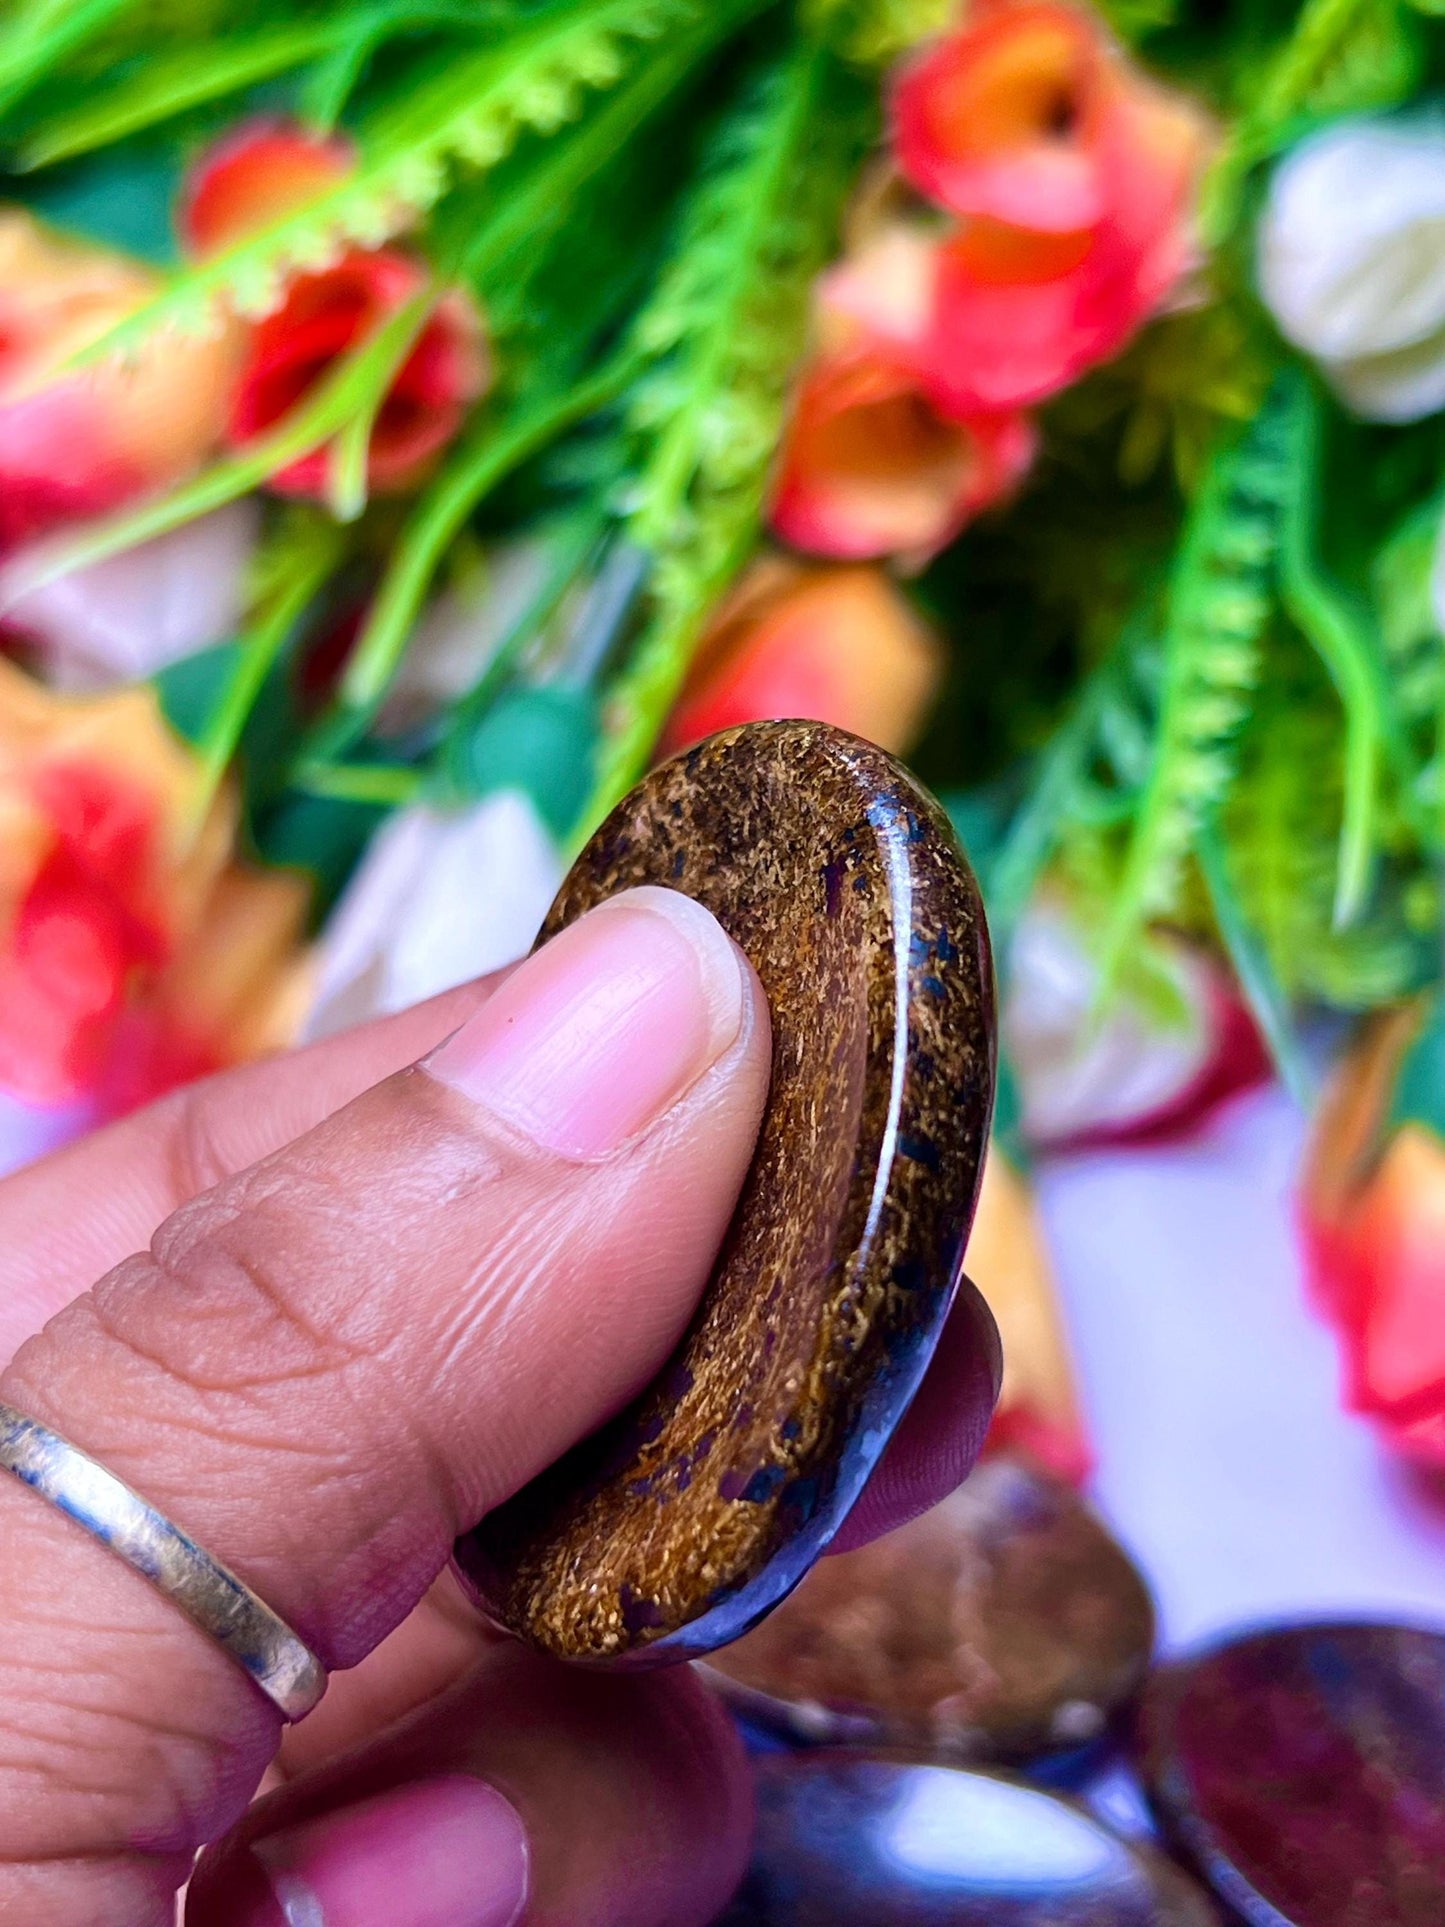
363,1313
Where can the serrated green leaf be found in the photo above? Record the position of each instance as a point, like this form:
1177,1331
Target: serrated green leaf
724,333
1217,604
464,111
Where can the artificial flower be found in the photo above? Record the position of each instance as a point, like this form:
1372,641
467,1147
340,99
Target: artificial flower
838,645
1073,176
76,442
123,619
440,897
1373,1223
870,467
122,964
1007,118
1018,315
1351,261
257,175
1173,1042
1008,1260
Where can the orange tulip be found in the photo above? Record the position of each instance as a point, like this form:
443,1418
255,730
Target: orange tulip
870,467
1073,176
132,951
1372,1212
78,442
837,645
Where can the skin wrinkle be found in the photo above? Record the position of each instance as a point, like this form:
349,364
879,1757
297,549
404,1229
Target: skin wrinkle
406,1302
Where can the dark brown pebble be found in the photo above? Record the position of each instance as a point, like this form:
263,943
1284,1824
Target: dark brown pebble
1003,1624
1302,1770
879,1840
673,1531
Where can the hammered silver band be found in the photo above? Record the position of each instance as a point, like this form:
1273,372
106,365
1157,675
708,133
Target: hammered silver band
211,1597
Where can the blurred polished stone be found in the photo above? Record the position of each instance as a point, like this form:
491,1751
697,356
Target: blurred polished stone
1302,1770
849,1839
1002,1624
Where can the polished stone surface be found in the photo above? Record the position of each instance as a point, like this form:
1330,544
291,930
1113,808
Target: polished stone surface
857,1840
672,1532
1003,1624
1303,1771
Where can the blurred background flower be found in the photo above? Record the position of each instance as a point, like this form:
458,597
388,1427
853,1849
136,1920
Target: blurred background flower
1352,261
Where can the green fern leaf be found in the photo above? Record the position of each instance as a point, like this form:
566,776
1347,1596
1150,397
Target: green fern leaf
724,333
465,111
1280,830
1219,600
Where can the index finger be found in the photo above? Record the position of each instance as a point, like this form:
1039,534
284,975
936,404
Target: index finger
81,1210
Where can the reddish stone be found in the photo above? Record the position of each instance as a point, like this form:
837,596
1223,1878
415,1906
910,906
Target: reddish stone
1303,1772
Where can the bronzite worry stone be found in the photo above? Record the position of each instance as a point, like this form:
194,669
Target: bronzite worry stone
881,1840
1302,1770
690,1516
1004,1624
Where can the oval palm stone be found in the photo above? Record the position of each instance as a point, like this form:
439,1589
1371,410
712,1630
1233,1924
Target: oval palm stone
1302,1770
865,1840
1003,1624
682,1523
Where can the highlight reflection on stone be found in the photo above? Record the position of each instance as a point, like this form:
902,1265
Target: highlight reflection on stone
1004,1623
858,1840
674,1530
1303,1771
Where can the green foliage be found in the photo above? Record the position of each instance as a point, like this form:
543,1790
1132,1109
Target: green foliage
874,33
1336,624
722,336
1217,604
1342,56
459,110
38,35
1280,825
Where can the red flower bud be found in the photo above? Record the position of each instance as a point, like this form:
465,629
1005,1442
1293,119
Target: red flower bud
1003,119
258,174
322,318
870,467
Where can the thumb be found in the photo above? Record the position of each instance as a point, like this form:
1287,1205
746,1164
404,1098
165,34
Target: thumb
331,1364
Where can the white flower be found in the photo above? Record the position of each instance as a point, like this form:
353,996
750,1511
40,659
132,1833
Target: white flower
123,619
1172,1039
460,633
438,899
1352,262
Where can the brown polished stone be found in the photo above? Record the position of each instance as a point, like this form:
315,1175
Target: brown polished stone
1302,1769
678,1527
880,1840
1003,1624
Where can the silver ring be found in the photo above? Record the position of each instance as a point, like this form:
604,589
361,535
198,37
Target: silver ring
211,1597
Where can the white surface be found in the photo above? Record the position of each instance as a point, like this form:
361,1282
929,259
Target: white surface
439,897
1225,1462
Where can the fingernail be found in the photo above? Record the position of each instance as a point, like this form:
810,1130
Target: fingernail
442,1853
601,1032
